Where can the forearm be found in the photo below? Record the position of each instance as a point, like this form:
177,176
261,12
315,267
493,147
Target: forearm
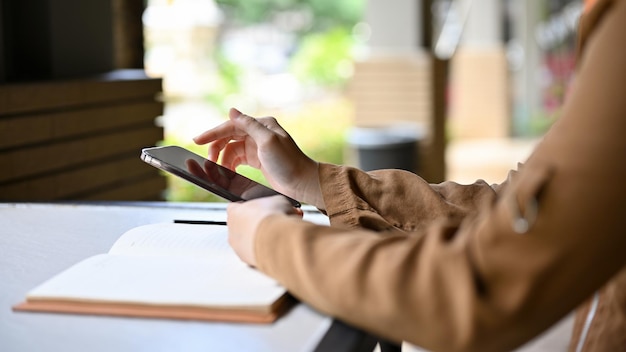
420,288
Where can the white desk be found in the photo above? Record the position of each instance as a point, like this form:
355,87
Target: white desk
40,240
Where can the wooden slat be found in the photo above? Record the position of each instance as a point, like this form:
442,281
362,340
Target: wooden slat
394,65
408,101
48,127
55,156
393,106
409,79
382,113
384,119
123,85
390,94
76,139
67,184
384,84
387,90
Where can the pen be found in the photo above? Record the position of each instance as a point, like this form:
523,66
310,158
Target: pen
199,222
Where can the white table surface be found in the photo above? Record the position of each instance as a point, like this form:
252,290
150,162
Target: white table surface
40,240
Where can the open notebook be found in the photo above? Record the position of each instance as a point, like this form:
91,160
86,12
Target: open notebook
165,270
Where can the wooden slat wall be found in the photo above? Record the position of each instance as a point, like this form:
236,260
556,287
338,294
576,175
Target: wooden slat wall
396,89
80,139
392,89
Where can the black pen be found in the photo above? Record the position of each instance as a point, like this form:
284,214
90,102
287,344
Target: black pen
199,222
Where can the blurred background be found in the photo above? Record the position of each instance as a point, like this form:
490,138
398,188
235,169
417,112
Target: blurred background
450,89
358,81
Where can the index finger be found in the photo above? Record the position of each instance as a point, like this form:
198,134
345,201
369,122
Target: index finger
240,125
225,131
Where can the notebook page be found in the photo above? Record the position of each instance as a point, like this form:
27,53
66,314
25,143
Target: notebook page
161,280
185,240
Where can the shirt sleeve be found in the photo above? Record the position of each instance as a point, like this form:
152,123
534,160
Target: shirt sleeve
396,199
445,266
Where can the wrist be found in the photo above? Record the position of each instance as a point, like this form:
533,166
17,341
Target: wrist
310,190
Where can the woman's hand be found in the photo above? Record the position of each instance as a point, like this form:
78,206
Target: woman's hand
263,144
244,220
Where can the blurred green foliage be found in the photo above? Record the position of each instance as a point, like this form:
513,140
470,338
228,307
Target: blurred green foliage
324,58
226,81
323,50
539,124
325,13
320,128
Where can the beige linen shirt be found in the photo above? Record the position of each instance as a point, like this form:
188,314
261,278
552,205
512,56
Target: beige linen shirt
473,267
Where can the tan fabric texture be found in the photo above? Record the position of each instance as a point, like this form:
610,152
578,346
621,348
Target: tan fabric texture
441,266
